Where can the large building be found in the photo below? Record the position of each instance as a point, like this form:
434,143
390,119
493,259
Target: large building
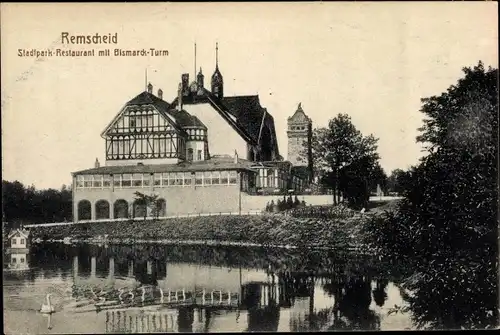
198,153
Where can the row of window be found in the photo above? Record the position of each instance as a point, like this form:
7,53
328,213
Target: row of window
277,179
158,179
14,260
138,121
158,144
14,241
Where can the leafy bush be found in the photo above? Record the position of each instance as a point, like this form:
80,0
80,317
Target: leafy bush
446,225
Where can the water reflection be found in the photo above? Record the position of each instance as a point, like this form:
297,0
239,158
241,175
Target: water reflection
148,288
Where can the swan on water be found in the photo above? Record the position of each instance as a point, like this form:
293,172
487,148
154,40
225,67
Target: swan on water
47,308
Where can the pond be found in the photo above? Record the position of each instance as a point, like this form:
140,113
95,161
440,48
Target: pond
162,288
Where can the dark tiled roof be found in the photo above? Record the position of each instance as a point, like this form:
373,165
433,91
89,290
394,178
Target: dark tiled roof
207,97
286,165
209,165
299,115
248,113
246,109
183,118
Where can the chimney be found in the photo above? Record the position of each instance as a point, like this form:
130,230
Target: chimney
96,164
179,97
160,94
200,79
150,88
185,83
235,157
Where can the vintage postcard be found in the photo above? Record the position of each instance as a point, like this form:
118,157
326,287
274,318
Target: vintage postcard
242,167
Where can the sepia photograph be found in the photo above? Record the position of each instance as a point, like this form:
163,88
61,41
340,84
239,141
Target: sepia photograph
249,167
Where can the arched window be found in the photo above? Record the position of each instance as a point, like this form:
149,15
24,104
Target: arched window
102,209
161,208
84,210
120,209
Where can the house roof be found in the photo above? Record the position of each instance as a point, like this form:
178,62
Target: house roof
24,233
206,96
214,164
249,114
182,118
245,109
299,116
285,165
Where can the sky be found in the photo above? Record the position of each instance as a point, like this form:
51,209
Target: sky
372,61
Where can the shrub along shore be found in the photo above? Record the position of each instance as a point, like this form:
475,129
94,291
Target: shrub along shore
337,229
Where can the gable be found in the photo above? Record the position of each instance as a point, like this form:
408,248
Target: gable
137,119
230,115
17,233
299,117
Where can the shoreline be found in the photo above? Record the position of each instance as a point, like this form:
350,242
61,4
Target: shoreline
114,241
327,228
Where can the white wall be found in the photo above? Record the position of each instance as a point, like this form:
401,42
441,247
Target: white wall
222,138
18,242
196,145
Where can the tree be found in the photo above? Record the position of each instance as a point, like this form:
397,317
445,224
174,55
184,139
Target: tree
446,224
280,205
23,204
296,202
289,202
149,201
272,206
396,181
378,178
341,151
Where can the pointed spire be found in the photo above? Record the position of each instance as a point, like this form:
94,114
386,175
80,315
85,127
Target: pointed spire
216,55
145,79
194,59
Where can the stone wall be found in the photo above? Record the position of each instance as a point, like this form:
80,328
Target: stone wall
179,199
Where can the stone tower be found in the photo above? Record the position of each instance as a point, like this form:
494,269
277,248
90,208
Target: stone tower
299,139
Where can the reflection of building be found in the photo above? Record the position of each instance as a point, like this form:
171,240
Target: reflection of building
198,153
136,321
19,260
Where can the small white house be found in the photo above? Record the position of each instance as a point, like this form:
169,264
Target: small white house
19,239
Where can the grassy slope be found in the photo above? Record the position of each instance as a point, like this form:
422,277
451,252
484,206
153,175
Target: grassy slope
340,231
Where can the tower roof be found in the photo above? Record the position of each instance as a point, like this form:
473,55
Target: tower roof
299,115
217,75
